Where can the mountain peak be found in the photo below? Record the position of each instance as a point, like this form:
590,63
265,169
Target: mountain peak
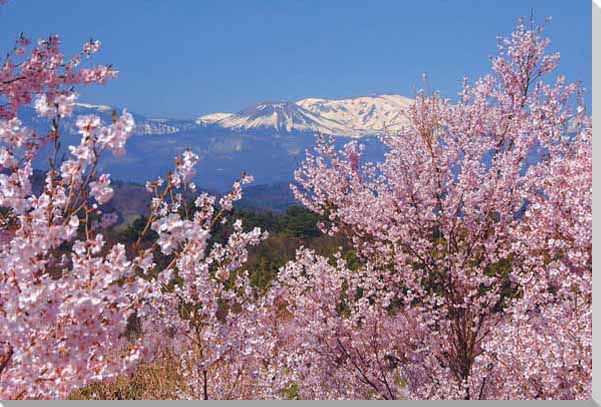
354,117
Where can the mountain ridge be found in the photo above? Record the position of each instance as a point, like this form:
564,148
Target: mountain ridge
352,117
271,149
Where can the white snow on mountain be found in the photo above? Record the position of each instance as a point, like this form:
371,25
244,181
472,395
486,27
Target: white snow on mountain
362,115
144,126
354,117
283,117
154,127
212,118
100,108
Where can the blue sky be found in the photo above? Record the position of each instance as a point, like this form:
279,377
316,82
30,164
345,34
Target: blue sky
183,58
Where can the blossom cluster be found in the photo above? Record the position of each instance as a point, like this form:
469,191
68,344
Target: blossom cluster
65,298
206,312
475,235
474,238
67,295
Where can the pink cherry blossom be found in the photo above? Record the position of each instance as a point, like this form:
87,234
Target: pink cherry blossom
101,189
474,278
476,259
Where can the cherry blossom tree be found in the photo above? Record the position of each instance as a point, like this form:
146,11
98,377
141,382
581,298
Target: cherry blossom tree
66,296
62,313
206,313
475,236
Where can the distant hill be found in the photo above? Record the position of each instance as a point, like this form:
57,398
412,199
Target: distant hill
268,197
131,200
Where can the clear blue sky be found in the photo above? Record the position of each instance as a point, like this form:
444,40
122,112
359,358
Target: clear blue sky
183,58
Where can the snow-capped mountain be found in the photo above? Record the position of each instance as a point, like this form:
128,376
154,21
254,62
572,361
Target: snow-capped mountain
352,117
281,117
363,115
98,108
267,140
212,118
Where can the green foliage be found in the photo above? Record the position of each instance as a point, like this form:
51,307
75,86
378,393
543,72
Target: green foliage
287,232
130,233
291,392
